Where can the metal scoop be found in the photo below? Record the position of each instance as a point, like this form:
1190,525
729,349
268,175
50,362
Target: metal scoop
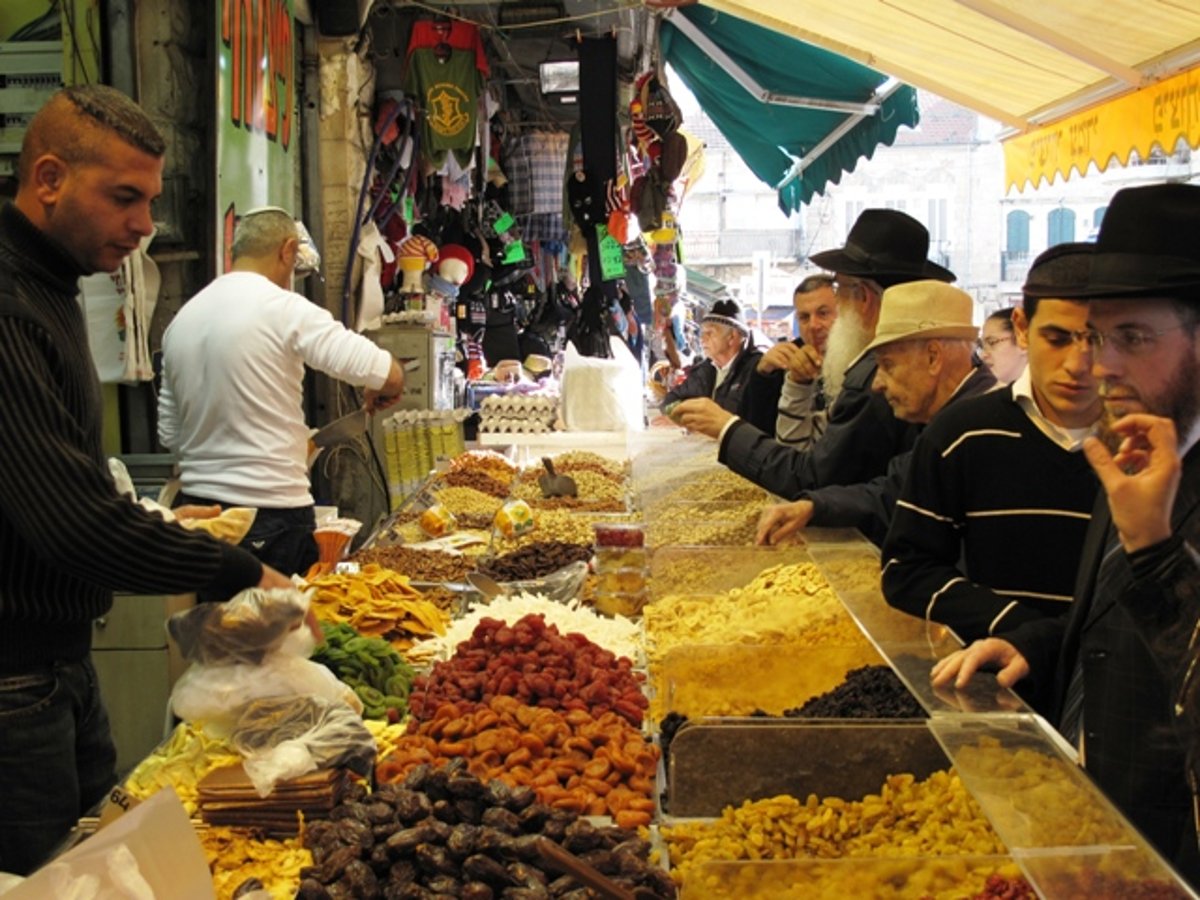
555,485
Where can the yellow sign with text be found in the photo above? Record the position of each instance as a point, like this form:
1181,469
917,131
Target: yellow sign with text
1159,114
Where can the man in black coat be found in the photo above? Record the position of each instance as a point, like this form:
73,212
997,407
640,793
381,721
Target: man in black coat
730,358
885,247
1121,694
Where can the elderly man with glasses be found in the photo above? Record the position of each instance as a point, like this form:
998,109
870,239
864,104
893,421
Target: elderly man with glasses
1122,662
885,247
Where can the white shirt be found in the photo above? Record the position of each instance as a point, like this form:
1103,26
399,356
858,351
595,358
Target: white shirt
232,388
1067,438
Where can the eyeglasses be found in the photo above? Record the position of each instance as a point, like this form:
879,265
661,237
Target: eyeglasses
1132,340
991,343
1129,340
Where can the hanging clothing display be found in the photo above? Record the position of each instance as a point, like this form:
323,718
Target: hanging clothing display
445,70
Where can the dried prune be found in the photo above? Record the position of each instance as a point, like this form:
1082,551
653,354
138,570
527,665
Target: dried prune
502,820
412,807
461,842
470,809
360,878
444,884
520,797
434,860
484,868
534,816
581,836
403,871
526,875
444,811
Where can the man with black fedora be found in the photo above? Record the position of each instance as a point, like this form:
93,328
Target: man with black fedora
885,247
730,359
1124,661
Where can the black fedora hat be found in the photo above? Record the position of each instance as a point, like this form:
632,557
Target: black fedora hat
1147,245
886,246
1061,271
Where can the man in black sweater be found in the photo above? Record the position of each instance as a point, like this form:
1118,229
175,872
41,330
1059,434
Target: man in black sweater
90,165
989,526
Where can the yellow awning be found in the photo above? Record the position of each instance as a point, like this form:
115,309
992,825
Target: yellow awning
1160,114
1030,64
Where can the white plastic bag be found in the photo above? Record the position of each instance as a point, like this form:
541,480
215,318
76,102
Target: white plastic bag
602,394
253,646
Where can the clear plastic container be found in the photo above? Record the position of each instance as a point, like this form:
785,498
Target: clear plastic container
609,558
621,581
619,534
629,605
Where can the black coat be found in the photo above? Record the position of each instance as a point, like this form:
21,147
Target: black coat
860,438
1116,628
703,375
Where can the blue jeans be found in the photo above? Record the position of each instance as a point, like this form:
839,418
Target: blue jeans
57,758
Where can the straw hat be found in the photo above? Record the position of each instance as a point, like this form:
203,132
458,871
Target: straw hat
923,309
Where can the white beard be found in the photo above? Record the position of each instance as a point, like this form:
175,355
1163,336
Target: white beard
847,338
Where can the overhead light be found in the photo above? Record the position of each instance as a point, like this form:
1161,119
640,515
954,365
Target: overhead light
559,76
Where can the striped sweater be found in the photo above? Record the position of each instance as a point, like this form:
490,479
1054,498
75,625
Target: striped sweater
67,538
990,523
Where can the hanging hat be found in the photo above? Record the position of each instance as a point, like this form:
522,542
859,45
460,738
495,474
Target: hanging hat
727,312
923,309
462,255
886,246
1147,246
1061,271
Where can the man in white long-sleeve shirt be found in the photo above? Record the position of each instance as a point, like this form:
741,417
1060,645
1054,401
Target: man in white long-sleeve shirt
232,388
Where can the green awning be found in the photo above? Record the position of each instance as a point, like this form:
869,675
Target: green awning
813,115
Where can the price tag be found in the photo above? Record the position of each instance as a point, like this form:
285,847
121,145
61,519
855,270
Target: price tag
515,252
504,223
612,255
346,568
116,805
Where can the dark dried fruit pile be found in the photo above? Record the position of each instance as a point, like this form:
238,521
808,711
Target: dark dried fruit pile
871,692
535,560
443,833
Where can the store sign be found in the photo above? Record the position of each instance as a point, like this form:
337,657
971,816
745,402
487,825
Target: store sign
1158,115
258,123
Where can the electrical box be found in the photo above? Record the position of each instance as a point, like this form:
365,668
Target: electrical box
30,72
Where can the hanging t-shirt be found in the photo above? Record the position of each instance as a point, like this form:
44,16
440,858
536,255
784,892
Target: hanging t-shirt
443,73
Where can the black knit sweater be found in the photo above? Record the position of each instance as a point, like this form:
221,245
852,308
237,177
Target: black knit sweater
990,523
67,538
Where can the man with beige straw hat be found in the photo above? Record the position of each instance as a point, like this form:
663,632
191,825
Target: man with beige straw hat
923,353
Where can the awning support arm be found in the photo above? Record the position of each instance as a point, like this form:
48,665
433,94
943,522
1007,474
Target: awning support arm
886,89
756,90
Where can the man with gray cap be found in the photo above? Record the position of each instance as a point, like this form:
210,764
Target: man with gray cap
922,348
885,248
991,520
730,359
1124,658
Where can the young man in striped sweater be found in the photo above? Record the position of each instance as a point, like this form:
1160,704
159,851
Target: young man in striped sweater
90,165
989,526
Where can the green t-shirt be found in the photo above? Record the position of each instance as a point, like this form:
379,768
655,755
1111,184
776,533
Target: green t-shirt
448,93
